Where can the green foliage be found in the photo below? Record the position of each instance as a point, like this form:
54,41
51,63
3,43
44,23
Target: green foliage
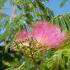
59,61
2,15
2,2
63,3
34,9
63,21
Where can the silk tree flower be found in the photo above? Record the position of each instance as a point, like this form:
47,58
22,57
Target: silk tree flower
48,34
22,36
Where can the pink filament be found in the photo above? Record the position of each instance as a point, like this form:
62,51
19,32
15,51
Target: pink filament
23,35
48,34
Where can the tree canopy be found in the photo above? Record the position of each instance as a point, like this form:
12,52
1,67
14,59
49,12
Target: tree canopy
14,55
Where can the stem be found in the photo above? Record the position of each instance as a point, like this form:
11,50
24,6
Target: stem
13,12
33,59
19,68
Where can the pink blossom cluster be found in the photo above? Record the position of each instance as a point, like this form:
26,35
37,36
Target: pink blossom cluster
23,35
46,34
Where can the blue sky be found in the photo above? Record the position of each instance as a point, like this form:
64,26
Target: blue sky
52,4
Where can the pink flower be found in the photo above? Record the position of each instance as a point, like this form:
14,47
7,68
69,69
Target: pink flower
23,35
48,34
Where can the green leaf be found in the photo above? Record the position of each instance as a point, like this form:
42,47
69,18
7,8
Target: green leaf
63,21
63,3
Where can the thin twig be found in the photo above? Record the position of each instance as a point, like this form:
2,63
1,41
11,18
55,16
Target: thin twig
20,66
